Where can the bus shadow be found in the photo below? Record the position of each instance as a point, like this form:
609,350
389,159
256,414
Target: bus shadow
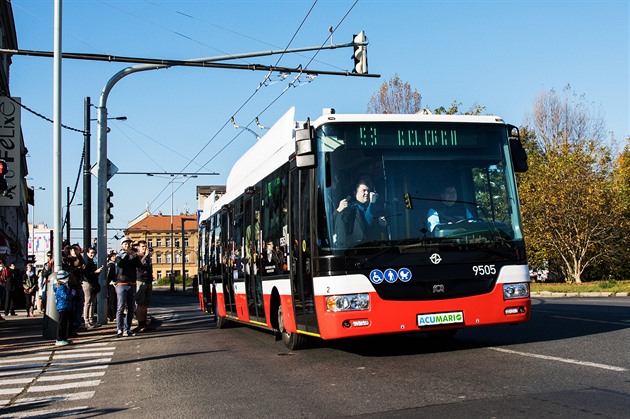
550,321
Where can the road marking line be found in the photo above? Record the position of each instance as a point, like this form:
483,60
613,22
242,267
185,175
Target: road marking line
51,413
58,369
566,360
18,359
66,386
81,362
82,355
16,372
6,391
48,399
16,381
86,349
61,377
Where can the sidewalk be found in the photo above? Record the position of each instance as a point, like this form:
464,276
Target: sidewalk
21,332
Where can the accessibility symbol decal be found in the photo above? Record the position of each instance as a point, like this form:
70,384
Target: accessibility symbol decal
404,274
376,276
391,275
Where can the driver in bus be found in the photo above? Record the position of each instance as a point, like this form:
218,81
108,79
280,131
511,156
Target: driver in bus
356,221
448,209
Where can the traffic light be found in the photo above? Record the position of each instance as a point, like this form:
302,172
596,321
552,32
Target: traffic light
108,207
360,53
3,182
408,203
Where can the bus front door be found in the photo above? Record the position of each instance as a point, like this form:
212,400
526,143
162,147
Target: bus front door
300,236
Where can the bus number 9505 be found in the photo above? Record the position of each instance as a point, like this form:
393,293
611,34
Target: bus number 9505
484,270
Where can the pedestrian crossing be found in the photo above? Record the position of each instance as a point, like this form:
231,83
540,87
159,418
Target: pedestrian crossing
40,384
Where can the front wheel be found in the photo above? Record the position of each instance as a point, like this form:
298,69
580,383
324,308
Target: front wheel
291,340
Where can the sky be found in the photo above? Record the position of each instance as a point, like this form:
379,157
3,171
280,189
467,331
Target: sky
499,54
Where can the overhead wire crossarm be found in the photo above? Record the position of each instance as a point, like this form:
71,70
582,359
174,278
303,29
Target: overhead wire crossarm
169,173
210,62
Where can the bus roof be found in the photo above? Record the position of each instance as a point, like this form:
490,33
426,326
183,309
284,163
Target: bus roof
274,148
270,152
418,117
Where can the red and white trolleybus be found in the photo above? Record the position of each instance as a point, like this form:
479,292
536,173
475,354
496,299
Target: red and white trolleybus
355,225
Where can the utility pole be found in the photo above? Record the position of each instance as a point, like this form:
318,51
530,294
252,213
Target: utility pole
87,179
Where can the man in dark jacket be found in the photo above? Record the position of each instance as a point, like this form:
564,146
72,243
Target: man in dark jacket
127,262
144,285
14,290
91,287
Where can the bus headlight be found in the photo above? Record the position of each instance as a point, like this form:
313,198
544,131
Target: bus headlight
348,302
511,291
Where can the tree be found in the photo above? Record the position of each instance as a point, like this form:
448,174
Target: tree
621,185
454,109
568,201
394,96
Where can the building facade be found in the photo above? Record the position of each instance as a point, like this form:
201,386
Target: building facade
15,196
172,240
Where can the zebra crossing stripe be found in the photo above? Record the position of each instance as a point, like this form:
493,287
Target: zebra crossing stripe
82,355
10,391
51,413
66,386
61,377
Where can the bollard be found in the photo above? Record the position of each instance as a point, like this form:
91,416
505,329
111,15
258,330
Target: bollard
51,315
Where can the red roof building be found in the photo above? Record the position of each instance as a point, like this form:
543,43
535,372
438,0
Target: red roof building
173,241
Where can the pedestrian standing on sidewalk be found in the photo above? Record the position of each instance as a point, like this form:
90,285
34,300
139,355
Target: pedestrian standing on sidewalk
63,301
127,263
144,287
29,284
48,268
91,287
73,263
14,289
4,275
112,273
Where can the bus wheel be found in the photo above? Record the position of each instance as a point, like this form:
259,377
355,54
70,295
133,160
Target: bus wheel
291,340
222,322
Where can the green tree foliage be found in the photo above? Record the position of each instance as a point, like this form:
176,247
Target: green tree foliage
621,185
569,205
454,109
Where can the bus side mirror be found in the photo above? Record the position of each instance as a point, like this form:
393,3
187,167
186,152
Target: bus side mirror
519,156
305,147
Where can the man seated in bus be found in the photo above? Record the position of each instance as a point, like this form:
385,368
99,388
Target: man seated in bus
355,218
448,209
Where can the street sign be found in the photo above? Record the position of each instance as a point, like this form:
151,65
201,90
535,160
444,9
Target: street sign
111,169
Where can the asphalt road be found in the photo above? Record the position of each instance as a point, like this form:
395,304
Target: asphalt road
570,361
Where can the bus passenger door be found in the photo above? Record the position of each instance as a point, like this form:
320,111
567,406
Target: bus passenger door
228,262
301,259
253,276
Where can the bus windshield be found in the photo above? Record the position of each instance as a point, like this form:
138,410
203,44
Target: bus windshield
414,184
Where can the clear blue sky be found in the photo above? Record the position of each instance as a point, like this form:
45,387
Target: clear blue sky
499,54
